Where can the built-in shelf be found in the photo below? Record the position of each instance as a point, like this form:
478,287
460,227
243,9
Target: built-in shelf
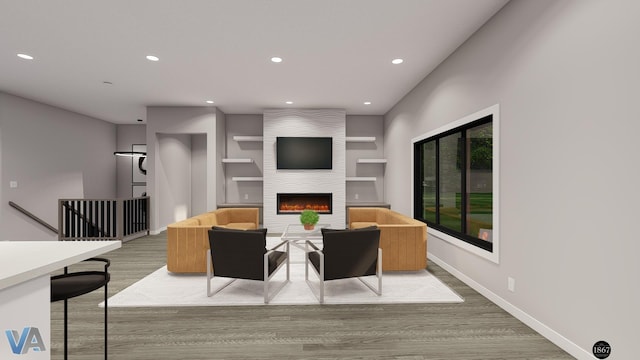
247,138
246,178
360,139
361,178
241,205
372,161
237,161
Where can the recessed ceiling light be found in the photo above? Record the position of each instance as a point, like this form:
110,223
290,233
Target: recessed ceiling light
289,102
397,61
276,59
25,56
209,101
152,58
367,102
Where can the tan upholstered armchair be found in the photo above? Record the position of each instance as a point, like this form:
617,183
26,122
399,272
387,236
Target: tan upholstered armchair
188,240
402,239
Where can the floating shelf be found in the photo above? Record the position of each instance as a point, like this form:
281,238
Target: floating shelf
371,161
247,138
237,161
360,139
361,178
246,178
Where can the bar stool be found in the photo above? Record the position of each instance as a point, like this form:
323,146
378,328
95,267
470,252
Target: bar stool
72,284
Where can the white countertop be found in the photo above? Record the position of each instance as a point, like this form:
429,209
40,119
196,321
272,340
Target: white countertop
21,261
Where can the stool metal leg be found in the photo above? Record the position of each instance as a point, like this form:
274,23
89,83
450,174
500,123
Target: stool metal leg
105,321
66,332
66,354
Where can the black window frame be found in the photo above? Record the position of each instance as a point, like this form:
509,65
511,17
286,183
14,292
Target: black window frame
418,172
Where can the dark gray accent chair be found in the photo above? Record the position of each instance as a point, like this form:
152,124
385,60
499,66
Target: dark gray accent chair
242,254
72,284
345,254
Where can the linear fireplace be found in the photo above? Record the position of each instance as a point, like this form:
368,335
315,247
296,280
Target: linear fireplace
295,203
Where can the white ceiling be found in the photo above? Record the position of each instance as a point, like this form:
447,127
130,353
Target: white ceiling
337,53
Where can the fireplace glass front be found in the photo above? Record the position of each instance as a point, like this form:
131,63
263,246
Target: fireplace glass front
295,203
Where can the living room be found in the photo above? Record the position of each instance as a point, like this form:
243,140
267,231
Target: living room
564,74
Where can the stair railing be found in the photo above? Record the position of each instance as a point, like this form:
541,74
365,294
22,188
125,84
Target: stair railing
103,219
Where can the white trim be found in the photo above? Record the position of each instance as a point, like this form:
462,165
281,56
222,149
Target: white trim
360,178
493,110
246,178
157,231
371,161
247,138
565,344
360,139
492,256
236,161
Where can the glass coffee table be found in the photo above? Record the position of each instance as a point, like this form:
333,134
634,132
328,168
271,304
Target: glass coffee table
296,235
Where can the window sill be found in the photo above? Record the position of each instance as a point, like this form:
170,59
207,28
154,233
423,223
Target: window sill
491,256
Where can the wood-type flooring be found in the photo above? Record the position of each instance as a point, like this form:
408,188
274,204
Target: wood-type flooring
474,329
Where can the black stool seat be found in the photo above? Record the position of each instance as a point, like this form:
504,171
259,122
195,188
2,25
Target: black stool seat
72,284
67,286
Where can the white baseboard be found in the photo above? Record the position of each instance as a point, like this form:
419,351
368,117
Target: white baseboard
552,335
158,231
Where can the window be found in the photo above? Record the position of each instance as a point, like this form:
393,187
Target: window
455,182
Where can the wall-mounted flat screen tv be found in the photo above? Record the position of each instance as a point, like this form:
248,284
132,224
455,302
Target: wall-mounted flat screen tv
304,153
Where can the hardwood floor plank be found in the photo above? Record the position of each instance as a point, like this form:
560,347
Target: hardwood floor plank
474,329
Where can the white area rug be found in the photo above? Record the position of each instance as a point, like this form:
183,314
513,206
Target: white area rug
162,288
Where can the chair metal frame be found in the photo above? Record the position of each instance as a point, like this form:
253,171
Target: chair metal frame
266,278
320,274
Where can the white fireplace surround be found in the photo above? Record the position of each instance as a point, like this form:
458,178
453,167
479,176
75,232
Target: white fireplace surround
310,123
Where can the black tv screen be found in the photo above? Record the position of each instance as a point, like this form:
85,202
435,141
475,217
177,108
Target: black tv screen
304,153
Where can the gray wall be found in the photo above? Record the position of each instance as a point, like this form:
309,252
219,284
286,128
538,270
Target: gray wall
174,185
169,120
243,191
565,74
365,191
198,174
220,145
52,153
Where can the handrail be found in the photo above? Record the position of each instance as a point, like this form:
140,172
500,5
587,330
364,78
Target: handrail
33,217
